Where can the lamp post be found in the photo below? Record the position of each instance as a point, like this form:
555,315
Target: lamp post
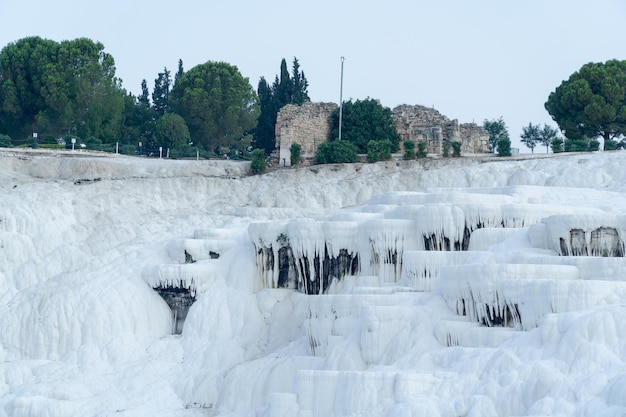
341,97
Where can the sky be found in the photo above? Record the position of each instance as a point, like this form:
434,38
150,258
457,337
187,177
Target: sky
470,60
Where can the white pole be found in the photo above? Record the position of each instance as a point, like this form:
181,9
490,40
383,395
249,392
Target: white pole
341,97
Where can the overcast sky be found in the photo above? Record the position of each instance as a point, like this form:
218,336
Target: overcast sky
471,60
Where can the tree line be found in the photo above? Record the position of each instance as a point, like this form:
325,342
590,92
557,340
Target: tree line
51,92
69,90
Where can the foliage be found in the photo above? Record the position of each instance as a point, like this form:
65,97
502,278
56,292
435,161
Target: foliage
547,135
5,141
378,150
446,149
422,151
409,149
171,131
496,129
288,89
581,145
161,92
592,102
530,136
258,162
128,149
217,102
337,151
557,145
456,149
610,145
59,88
139,119
179,72
365,120
503,146
295,150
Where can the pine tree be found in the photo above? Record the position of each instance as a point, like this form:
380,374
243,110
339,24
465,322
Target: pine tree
180,71
286,89
161,92
144,98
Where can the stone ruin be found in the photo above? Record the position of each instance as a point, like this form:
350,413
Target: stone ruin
425,124
309,125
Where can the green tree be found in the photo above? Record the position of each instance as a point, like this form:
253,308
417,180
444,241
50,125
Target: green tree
171,131
592,102
59,88
295,150
144,98
286,89
365,120
161,92
257,166
497,129
179,72
547,135
531,135
336,151
217,102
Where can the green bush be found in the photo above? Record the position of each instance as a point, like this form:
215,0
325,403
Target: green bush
422,150
557,145
446,149
336,151
378,150
258,162
456,149
409,149
5,141
581,145
610,145
295,150
128,149
503,145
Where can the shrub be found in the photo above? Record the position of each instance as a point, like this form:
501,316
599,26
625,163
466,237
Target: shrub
610,145
581,145
295,150
446,149
409,149
378,150
557,145
456,149
336,151
5,141
422,152
258,162
503,146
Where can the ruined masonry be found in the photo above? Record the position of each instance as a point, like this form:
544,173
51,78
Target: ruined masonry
309,125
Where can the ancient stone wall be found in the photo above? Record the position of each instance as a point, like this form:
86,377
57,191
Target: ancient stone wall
307,125
425,124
